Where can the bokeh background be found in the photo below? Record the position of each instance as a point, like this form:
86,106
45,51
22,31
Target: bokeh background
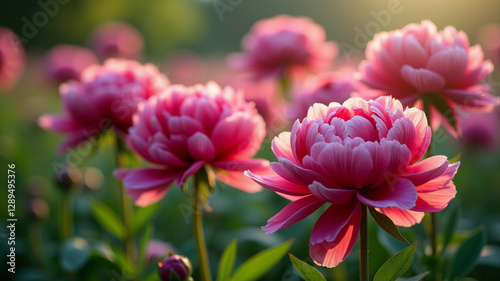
210,29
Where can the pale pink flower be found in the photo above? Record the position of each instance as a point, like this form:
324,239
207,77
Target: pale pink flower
66,62
351,154
322,88
489,39
12,59
418,61
117,40
282,42
185,128
105,98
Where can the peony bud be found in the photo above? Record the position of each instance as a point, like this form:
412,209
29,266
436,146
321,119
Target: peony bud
175,268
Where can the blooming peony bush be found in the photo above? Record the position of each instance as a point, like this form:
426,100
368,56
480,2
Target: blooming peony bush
351,154
185,128
12,59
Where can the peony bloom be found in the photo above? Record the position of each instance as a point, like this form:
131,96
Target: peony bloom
284,41
186,128
420,62
12,59
117,40
65,62
489,39
481,130
106,97
351,154
322,88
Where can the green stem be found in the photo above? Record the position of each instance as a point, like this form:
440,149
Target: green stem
285,84
201,248
66,216
363,246
126,204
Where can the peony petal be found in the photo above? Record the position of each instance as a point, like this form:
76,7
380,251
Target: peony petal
405,218
279,184
361,127
423,80
449,64
423,133
426,169
403,131
281,147
201,147
239,180
298,175
398,192
292,213
78,138
330,254
337,196
333,220
193,169
57,123
435,201
146,197
144,178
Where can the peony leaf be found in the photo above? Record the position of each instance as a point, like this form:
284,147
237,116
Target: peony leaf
143,216
108,219
259,264
450,227
468,254
387,225
415,278
307,272
397,265
226,263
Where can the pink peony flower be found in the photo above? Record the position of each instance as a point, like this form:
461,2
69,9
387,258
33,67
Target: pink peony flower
322,88
66,62
283,41
481,130
106,97
184,129
418,61
157,249
12,59
117,40
489,39
351,154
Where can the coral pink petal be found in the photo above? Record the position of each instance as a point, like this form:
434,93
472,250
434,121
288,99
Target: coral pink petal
449,64
331,253
56,123
403,131
398,192
337,196
201,147
281,147
237,179
405,218
146,197
422,131
292,213
426,169
279,184
332,221
298,175
422,79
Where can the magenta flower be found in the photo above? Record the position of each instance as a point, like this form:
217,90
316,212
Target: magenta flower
117,40
323,88
105,98
12,59
481,130
283,41
417,61
157,249
66,62
186,128
351,154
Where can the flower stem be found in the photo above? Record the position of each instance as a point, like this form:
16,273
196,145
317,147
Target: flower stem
201,247
126,204
363,245
285,84
66,216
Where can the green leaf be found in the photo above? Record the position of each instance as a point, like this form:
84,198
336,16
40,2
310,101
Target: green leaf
415,278
74,254
468,254
259,264
143,216
307,272
450,227
386,224
226,263
397,265
455,159
108,219
146,237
